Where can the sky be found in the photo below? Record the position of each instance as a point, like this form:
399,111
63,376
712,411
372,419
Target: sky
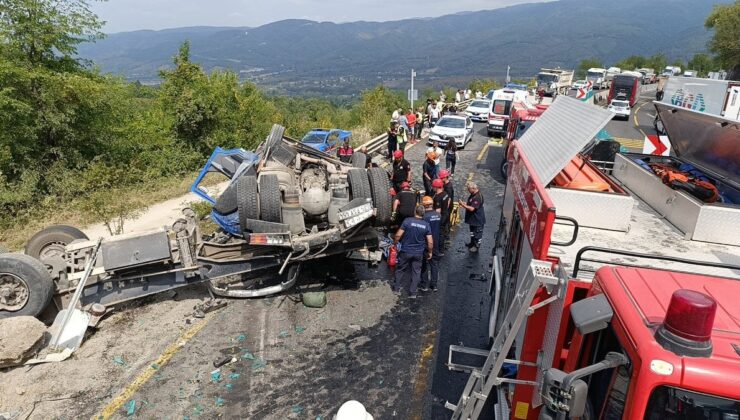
129,15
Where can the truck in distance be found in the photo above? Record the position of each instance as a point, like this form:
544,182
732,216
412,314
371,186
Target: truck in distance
625,86
671,71
554,81
648,76
597,77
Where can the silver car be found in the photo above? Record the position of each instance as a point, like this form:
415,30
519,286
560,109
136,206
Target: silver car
478,110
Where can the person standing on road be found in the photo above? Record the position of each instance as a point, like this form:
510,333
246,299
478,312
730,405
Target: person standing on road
402,138
414,236
475,216
395,116
392,139
403,122
429,169
458,97
442,203
438,152
401,170
345,152
404,204
451,156
444,175
430,266
433,115
411,121
419,123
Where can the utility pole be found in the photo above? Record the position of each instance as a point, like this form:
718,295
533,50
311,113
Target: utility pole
411,93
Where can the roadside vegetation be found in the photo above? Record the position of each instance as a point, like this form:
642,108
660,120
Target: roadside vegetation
78,146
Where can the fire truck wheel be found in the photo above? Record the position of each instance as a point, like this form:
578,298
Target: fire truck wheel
359,160
358,183
380,189
270,199
51,241
247,199
25,286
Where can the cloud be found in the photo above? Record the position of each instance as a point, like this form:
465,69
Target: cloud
127,15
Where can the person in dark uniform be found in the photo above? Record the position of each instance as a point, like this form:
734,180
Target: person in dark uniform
414,236
475,216
429,169
392,139
345,152
401,171
430,267
442,203
404,204
444,175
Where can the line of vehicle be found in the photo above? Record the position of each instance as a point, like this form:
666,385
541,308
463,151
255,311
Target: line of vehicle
147,373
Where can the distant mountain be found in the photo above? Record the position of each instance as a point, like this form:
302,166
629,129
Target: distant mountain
307,56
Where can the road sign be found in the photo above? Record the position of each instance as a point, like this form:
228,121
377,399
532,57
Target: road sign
413,94
656,145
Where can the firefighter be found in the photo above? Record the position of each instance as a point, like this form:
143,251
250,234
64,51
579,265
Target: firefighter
345,152
430,266
430,171
475,216
443,205
404,204
401,170
414,236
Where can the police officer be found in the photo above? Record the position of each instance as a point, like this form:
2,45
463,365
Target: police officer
414,236
475,216
442,204
404,204
430,267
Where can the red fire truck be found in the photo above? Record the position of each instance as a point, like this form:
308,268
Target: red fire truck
594,323
523,115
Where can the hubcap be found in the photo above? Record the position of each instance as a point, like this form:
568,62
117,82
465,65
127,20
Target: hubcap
13,292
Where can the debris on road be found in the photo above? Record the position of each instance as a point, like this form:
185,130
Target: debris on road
20,338
216,376
119,360
314,299
223,360
200,310
130,408
220,402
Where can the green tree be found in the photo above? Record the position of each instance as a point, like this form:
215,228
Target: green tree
376,106
632,62
47,32
586,64
725,43
483,85
702,63
657,62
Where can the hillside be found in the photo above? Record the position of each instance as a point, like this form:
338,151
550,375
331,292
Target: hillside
301,55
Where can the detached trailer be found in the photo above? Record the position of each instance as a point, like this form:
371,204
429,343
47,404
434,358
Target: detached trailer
593,323
286,204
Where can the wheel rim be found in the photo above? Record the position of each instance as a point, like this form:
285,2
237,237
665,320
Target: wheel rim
51,254
14,292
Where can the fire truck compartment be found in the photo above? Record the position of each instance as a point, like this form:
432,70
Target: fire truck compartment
710,144
578,189
583,192
649,234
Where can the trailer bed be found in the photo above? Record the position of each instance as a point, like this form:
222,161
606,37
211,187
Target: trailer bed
649,233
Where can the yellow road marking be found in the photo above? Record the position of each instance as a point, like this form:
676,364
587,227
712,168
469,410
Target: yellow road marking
420,382
470,176
148,372
630,143
637,121
482,152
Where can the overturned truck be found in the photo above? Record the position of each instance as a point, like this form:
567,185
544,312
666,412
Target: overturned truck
285,204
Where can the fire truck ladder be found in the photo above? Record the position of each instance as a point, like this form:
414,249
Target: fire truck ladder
482,380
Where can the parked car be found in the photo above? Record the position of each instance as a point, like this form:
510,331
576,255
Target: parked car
325,140
478,110
579,84
620,107
452,127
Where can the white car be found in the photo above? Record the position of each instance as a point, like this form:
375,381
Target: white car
452,127
621,108
478,110
579,84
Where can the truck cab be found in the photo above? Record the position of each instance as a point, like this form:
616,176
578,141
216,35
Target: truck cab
597,77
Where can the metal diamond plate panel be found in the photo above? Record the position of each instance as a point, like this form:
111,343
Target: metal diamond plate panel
594,209
720,224
566,128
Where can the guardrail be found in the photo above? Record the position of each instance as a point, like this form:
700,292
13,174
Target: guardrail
377,144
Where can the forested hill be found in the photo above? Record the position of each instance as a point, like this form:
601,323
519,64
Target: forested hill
481,43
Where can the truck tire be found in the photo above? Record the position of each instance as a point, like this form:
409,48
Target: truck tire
227,202
270,199
52,240
380,188
358,183
247,199
359,160
27,286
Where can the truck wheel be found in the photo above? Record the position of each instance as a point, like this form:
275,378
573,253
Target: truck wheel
227,202
359,160
51,241
25,286
247,199
270,199
504,169
358,183
380,188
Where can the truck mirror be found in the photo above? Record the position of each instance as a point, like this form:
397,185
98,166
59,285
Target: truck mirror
557,399
591,314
